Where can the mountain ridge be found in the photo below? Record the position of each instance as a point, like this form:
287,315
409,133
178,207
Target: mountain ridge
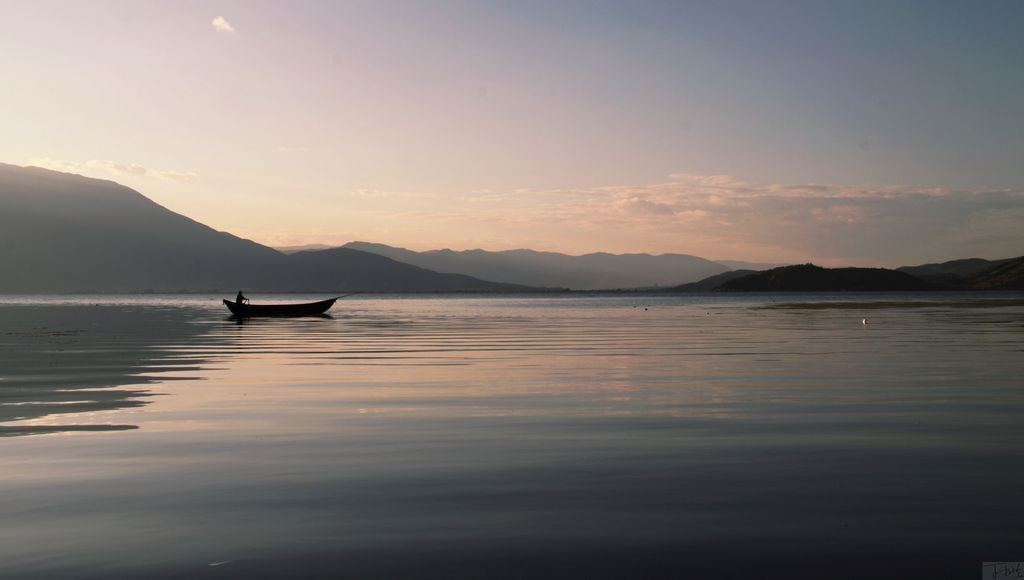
953,274
1002,275
61,232
592,271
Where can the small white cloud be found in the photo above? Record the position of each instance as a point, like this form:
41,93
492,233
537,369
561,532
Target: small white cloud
222,25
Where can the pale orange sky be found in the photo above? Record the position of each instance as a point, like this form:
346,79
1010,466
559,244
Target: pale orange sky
727,131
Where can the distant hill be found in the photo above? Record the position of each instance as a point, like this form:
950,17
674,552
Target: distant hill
964,268
955,274
712,282
811,278
549,269
61,232
1003,275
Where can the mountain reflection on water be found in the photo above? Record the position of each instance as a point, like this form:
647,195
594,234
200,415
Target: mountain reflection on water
78,360
511,437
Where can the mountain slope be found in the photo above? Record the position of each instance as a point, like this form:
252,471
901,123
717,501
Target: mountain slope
1003,275
956,274
549,269
965,268
61,232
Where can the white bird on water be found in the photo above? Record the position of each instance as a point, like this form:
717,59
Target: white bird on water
864,321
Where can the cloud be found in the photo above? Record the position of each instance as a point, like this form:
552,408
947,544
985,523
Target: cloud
111,167
724,217
640,205
222,25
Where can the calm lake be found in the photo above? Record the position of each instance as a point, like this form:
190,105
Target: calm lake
549,436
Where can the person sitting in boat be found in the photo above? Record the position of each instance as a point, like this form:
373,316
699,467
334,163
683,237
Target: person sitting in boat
241,299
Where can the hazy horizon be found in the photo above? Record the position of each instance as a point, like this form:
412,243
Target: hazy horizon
729,262
847,133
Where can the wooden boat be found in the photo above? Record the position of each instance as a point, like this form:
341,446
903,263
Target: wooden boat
307,309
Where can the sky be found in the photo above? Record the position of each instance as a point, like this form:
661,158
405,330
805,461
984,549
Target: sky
840,132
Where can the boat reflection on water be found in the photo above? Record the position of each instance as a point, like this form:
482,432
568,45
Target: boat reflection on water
256,319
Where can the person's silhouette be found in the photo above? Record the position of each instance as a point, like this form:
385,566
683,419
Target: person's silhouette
241,299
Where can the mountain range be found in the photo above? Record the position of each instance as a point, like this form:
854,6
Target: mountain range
597,271
61,232
971,274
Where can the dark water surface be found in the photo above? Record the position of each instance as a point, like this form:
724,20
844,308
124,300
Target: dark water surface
511,437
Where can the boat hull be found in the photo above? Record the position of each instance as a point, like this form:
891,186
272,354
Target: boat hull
308,309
